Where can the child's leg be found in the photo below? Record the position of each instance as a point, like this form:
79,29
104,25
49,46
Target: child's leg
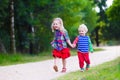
55,61
81,60
64,65
55,54
55,65
87,60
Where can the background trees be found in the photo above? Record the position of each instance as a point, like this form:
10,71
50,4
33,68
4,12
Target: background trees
12,29
113,27
4,29
101,4
32,21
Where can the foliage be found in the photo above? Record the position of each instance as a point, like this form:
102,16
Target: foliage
113,27
77,12
38,14
97,34
4,22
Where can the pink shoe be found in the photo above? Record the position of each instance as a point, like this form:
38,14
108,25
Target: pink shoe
63,70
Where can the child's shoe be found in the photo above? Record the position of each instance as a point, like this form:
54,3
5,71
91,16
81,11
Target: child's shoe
87,67
63,70
82,70
55,68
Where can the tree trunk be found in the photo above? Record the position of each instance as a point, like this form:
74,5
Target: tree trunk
31,46
12,32
97,36
2,47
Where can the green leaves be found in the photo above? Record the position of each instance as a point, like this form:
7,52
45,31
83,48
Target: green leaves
113,14
73,13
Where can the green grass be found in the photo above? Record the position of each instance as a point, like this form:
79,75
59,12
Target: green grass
9,59
107,71
98,49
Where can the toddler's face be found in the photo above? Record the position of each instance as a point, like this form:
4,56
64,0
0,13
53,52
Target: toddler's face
56,25
82,32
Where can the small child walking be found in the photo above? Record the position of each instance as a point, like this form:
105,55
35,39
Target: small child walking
84,45
59,43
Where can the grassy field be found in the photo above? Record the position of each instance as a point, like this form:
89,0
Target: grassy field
107,71
9,59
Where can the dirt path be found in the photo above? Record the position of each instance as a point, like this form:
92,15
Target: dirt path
43,70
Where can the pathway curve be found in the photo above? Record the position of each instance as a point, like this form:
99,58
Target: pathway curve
43,70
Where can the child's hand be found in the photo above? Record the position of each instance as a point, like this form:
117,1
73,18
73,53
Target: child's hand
74,45
52,42
71,46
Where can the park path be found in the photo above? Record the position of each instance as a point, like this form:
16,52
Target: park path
43,70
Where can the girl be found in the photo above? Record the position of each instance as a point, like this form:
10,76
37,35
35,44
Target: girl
59,43
83,46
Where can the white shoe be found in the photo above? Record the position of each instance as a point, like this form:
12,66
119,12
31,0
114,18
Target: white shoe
82,70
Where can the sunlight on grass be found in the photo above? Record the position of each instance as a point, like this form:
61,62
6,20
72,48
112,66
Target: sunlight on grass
107,71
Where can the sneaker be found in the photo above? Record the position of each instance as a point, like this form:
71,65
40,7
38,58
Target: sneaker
82,70
55,68
63,70
87,67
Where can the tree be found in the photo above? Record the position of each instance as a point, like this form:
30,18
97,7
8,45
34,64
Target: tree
101,4
72,12
12,31
2,47
77,12
113,14
4,39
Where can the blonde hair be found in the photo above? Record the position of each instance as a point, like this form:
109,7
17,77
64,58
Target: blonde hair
83,26
62,29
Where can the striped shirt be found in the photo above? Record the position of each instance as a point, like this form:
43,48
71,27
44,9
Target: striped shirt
83,44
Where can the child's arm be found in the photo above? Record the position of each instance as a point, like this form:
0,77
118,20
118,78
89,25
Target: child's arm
66,36
75,42
53,43
69,42
90,45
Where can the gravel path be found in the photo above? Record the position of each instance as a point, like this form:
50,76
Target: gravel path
43,70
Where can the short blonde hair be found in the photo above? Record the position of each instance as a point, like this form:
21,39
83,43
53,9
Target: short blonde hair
83,26
61,24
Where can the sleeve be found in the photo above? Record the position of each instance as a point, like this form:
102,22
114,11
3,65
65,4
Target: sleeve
75,41
66,35
90,45
53,43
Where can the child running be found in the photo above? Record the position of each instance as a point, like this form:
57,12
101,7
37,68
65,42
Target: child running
83,47
59,43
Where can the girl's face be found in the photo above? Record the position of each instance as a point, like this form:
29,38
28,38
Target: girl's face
56,24
82,32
